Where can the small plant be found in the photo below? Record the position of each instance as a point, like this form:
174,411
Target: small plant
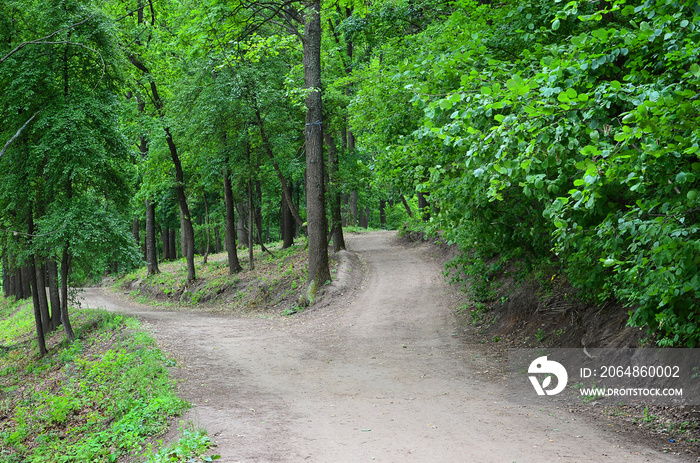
540,335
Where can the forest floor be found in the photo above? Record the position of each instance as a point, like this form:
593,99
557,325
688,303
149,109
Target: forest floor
380,369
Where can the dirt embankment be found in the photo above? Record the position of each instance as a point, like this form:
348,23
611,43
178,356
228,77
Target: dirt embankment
382,371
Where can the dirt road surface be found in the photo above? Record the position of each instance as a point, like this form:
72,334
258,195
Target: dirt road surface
379,374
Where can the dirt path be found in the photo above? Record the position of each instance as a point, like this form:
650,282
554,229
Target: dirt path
378,375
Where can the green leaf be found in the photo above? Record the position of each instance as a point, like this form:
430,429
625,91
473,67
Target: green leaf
555,25
486,90
695,69
499,117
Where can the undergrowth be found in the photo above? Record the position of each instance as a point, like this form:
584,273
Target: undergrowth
93,400
277,280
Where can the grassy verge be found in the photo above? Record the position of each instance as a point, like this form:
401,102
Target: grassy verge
273,286
95,400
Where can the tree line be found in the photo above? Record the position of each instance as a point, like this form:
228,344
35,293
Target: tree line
147,130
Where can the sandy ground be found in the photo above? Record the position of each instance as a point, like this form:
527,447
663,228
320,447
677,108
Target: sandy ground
379,374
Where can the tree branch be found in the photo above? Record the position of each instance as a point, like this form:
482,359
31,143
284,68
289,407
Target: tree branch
42,39
9,142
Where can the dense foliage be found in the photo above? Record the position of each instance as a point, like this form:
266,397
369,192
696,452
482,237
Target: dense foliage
564,132
567,132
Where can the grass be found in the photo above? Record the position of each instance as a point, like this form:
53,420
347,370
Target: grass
94,400
275,284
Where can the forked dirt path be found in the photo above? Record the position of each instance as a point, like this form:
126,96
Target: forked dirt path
377,375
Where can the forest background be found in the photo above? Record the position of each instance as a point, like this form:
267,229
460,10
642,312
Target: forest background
552,133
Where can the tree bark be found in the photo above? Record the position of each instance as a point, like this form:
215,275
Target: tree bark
354,219
423,206
233,264
43,300
37,310
406,206
318,271
335,195
382,214
217,239
151,252
54,298
135,231
287,225
183,242
65,271
172,239
206,228
164,237
251,217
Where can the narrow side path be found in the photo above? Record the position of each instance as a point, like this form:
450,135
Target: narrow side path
377,375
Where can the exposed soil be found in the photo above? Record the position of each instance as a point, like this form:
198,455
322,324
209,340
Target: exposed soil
379,370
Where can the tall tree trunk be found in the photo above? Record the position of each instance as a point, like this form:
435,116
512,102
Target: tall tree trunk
39,318
41,294
287,225
135,231
232,253
65,271
286,190
187,229
172,240
164,237
217,239
318,271
6,278
54,298
151,238
251,216
382,214
206,228
37,310
354,219
241,228
183,241
335,195
26,280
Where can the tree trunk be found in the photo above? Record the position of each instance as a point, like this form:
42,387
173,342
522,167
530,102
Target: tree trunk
423,206
151,238
187,229
251,217
135,231
65,271
382,214
335,195
353,209
5,276
165,240
172,239
37,310
54,298
26,280
287,225
405,205
318,271
183,242
217,239
43,300
286,190
241,228
233,264
206,228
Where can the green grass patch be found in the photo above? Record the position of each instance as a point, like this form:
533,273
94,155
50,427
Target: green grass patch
96,399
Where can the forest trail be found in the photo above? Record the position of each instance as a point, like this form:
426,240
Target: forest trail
377,375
